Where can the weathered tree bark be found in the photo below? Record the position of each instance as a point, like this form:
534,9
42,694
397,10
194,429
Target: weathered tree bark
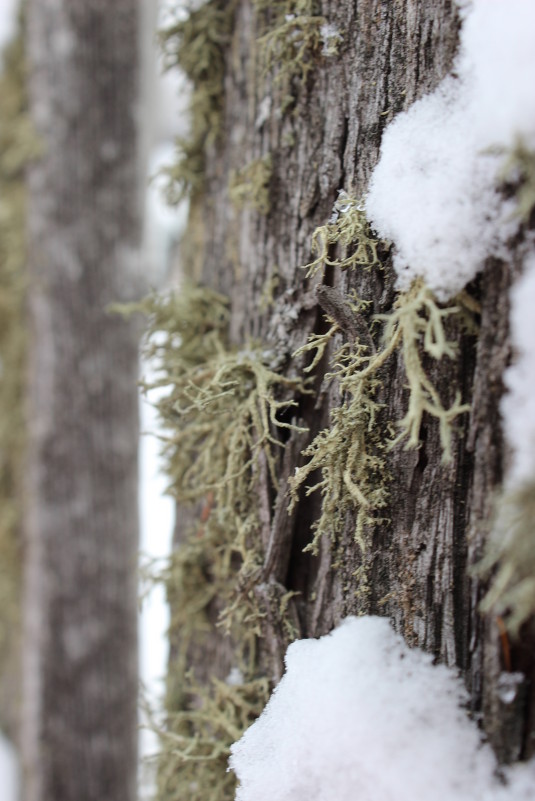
79,733
420,560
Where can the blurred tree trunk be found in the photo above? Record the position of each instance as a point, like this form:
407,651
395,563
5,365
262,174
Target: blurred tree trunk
79,731
420,554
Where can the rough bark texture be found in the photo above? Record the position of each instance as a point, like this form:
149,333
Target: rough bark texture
420,561
79,735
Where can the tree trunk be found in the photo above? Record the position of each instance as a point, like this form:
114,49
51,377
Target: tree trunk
79,733
419,554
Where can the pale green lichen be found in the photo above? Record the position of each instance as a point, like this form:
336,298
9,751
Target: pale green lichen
250,185
223,405
519,170
196,741
511,552
195,43
348,230
418,322
350,454
290,47
222,411
296,39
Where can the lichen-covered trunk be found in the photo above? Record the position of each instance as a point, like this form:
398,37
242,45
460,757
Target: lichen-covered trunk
79,730
289,141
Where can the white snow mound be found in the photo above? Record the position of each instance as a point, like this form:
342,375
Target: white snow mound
358,716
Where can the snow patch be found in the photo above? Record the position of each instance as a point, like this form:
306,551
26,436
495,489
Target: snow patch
9,770
331,38
358,716
518,404
235,677
433,192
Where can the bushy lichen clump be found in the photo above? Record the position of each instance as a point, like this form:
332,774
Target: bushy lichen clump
415,323
297,37
17,147
224,404
195,43
511,551
349,231
250,185
350,454
223,412
197,740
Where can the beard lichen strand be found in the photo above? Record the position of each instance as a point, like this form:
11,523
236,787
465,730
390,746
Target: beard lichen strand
195,744
196,43
223,405
295,40
221,412
417,321
348,228
351,453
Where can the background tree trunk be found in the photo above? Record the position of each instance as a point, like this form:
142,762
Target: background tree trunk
79,737
419,560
